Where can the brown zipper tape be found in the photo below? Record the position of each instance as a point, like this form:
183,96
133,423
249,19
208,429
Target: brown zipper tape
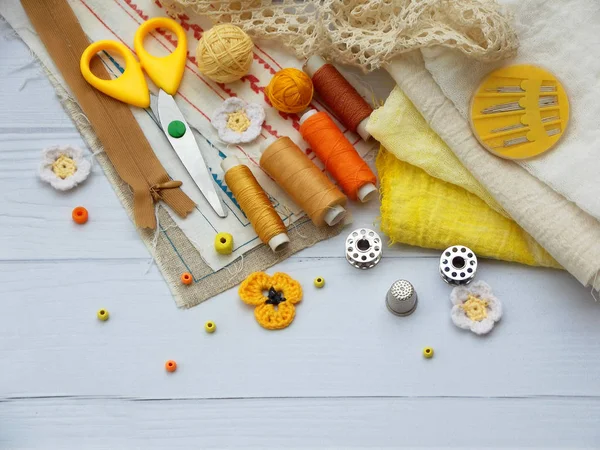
114,124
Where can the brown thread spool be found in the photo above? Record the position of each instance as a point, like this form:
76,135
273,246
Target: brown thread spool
255,203
347,104
304,182
341,159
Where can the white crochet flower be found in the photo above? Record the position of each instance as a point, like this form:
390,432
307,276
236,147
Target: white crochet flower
64,167
237,121
475,307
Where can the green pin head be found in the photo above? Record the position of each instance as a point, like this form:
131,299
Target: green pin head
176,129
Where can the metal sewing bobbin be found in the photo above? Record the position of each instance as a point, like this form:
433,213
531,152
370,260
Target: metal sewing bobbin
402,299
458,265
363,248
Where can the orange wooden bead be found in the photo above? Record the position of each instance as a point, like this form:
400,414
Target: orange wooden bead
80,215
186,278
171,366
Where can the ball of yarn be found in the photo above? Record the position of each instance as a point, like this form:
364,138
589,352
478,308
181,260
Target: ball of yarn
224,53
290,90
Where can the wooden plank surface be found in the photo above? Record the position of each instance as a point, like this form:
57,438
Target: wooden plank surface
465,423
347,373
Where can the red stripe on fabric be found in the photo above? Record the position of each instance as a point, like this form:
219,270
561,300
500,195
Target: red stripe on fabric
105,25
268,56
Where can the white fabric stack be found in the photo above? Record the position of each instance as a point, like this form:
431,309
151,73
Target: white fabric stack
555,196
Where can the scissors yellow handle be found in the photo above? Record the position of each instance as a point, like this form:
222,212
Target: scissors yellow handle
131,87
165,71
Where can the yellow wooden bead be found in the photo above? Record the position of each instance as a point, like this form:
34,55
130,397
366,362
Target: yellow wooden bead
210,326
428,352
224,243
102,314
319,282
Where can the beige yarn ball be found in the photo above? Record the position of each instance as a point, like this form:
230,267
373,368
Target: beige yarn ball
224,53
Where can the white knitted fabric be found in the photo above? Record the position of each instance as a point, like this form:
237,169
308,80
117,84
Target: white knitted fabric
51,154
368,33
563,37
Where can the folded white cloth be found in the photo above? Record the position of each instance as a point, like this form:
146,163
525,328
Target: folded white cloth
563,37
569,234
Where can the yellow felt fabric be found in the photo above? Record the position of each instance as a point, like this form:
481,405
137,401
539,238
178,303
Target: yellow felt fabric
419,208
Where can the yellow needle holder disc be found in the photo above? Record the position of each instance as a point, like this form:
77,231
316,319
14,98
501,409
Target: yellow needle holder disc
519,112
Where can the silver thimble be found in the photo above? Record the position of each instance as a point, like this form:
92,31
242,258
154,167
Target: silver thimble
458,265
402,298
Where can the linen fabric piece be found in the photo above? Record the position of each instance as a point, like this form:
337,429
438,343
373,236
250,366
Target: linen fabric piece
569,234
562,37
172,248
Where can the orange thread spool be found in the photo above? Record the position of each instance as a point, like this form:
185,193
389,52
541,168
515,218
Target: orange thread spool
304,182
255,203
341,159
347,104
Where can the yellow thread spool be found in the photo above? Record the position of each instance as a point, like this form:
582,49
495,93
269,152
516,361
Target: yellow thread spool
224,54
304,182
255,203
534,126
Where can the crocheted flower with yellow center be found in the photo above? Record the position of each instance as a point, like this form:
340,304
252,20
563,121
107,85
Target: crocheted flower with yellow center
64,167
475,307
274,298
237,121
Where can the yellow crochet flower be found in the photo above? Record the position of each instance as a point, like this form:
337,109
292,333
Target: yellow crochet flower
274,298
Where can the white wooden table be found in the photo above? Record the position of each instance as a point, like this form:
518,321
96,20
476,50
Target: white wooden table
346,373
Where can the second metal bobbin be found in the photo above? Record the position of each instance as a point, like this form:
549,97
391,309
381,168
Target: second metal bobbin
458,265
363,248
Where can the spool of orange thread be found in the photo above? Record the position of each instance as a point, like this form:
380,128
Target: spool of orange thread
304,182
346,103
341,159
255,203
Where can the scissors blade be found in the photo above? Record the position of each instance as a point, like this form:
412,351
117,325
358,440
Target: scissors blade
188,151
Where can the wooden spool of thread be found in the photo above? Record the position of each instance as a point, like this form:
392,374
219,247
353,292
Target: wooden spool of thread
341,159
304,182
347,104
255,203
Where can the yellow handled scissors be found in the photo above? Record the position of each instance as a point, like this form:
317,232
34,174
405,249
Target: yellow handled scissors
166,72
